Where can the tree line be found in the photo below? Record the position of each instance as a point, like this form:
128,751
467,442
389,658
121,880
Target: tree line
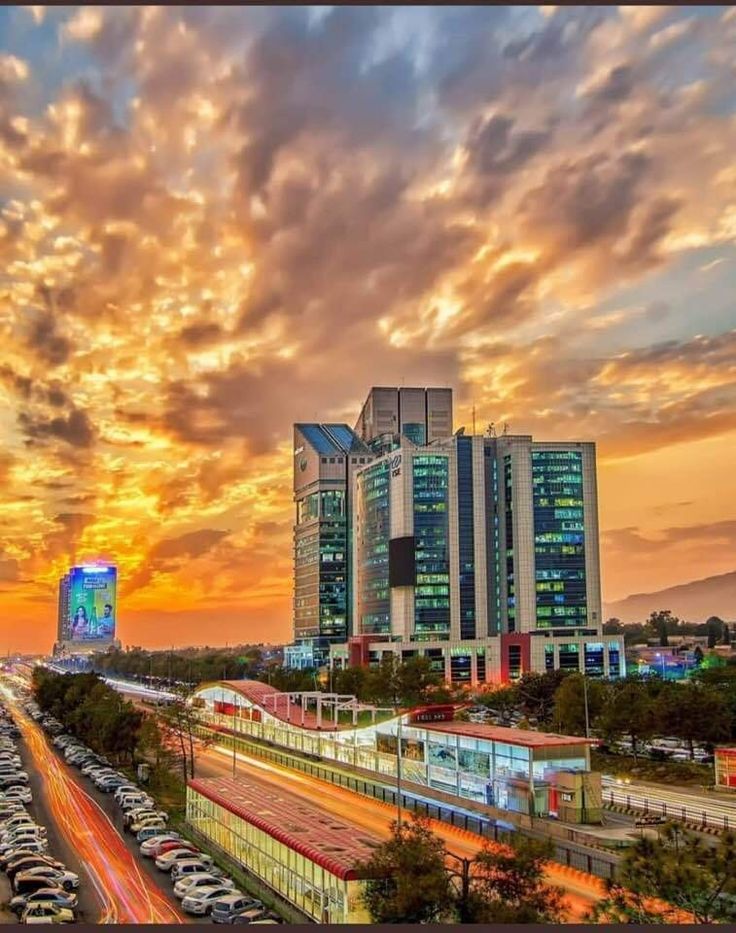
110,725
663,623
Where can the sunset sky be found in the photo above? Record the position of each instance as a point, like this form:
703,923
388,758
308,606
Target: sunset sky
218,221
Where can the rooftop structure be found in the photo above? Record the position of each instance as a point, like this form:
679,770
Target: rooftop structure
333,843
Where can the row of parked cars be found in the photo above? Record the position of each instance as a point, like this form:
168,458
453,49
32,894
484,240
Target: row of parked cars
202,888
44,890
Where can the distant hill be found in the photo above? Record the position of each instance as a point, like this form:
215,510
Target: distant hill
693,602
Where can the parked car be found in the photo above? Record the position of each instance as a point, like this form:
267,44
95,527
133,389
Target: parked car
29,847
17,792
167,861
169,846
187,884
152,832
193,866
153,847
203,901
68,880
26,860
47,913
229,906
43,896
252,915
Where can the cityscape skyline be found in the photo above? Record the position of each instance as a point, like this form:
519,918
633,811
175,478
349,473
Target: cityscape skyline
487,199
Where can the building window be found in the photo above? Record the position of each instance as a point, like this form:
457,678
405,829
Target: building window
594,659
549,657
614,660
569,657
460,670
514,662
481,667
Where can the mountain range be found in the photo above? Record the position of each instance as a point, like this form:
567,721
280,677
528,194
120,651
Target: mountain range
693,602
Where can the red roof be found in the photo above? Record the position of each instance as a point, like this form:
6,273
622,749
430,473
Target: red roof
275,702
318,835
526,737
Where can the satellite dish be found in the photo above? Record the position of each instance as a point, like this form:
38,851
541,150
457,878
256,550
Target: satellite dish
460,431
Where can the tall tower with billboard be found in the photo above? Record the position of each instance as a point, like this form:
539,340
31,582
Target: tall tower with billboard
87,608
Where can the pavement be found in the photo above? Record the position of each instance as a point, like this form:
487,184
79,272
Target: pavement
116,884
59,847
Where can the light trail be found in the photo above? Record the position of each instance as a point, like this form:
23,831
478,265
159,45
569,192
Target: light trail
126,894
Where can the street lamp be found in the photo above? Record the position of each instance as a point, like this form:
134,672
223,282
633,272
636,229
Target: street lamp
585,700
398,775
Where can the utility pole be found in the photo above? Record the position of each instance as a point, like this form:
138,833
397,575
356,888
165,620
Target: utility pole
585,700
398,774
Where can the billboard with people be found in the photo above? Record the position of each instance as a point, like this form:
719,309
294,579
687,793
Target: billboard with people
92,603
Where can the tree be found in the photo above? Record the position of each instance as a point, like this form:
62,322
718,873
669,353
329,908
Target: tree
613,627
502,703
694,713
569,704
536,693
714,629
660,879
507,885
629,711
417,680
408,881
661,624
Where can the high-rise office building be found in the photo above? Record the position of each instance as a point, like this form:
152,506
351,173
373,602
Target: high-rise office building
479,552
87,609
326,457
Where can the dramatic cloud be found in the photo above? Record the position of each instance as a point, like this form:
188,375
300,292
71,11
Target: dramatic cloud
216,221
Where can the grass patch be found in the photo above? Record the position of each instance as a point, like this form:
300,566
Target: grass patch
688,773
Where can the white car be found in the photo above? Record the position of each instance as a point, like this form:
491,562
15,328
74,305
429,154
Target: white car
23,794
191,883
193,866
202,902
167,861
67,880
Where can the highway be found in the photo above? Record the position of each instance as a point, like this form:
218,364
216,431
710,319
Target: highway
678,804
124,893
581,890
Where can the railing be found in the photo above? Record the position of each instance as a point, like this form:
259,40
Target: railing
642,804
599,863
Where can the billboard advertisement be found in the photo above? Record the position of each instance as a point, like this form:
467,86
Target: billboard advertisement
92,603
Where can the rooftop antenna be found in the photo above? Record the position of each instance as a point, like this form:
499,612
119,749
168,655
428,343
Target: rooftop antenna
473,419
505,429
492,429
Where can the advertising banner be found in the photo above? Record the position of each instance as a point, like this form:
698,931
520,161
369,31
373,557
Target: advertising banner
92,603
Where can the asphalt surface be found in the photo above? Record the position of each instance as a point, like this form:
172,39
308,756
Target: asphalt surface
59,848
89,901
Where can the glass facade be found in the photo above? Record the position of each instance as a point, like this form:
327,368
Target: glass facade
321,895
333,564
477,768
466,536
373,529
431,535
559,540
509,517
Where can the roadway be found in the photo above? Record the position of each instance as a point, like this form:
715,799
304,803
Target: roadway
581,890
123,890
679,803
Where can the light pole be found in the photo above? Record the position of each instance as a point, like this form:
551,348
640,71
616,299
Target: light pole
398,775
585,700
